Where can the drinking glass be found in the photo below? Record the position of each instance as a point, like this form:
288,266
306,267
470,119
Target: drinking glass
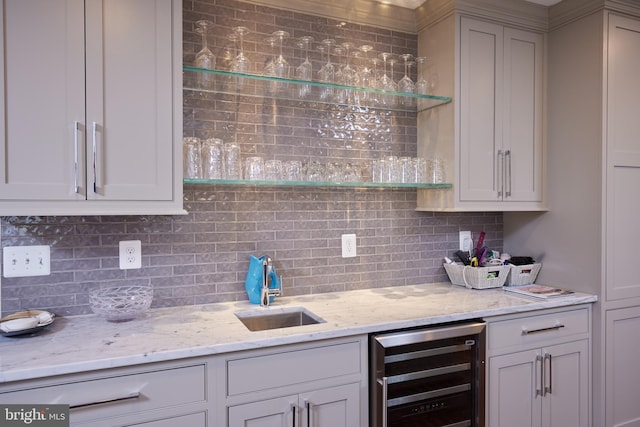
367,76
205,58
192,158
254,168
232,168
422,85
406,170
436,171
305,70
273,170
339,95
212,158
406,84
293,170
270,67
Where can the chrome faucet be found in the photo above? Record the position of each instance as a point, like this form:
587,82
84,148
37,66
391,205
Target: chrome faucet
267,292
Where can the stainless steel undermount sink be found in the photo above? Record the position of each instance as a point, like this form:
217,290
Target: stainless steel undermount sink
266,319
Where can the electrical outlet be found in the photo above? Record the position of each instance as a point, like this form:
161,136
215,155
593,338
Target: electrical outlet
22,261
130,254
465,241
348,245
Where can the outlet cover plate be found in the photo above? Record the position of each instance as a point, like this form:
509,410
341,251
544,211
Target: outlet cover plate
348,245
465,241
130,254
23,261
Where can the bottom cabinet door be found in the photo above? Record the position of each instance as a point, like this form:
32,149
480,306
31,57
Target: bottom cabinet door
515,390
332,407
566,396
192,420
278,412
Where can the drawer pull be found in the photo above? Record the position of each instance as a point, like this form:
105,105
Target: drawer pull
536,331
130,396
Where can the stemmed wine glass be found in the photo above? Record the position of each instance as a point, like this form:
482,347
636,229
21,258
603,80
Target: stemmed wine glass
205,58
281,67
406,84
386,83
327,71
367,75
305,69
241,64
422,85
350,76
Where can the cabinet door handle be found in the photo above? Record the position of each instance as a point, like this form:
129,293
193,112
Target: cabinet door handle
384,382
293,411
76,171
547,361
537,331
507,159
500,172
308,407
130,396
95,157
539,362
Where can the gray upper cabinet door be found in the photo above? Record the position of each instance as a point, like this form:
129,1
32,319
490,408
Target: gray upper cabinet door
500,113
91,96
42,118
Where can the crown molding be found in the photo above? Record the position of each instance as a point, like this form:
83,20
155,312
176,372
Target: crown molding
570,10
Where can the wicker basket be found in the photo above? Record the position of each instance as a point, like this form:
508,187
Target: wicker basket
523,274
477,277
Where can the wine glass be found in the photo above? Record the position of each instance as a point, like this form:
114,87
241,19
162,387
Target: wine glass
367,75
205,58
241,63
386,83
350,76
327,71
305,69
406,84
281,67
269,68
422,85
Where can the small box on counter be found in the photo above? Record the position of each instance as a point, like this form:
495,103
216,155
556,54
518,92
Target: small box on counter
523,274
493,276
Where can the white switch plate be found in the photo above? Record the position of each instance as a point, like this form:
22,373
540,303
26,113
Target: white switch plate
130,254
348,245
22,261
465,241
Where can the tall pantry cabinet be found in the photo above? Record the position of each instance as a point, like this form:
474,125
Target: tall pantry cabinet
588,239
91,107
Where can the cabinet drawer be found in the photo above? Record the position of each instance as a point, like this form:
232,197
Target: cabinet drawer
271,370
535,330
115,396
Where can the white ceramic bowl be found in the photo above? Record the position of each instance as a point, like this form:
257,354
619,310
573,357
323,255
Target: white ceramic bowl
121,303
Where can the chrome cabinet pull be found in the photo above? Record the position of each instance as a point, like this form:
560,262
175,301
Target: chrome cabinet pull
500,173
293,410
130,396
539,362
507,158
547,388
308,407
537,331
95,157
384,382
76,186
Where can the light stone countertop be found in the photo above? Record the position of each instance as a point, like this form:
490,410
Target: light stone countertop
85,343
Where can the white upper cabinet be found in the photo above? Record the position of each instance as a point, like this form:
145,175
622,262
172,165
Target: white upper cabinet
91,107
492,138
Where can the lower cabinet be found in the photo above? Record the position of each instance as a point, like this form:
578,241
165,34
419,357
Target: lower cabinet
332,407
156,395
539,370
313,385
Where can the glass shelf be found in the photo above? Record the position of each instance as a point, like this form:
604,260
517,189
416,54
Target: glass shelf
382,185
257,85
